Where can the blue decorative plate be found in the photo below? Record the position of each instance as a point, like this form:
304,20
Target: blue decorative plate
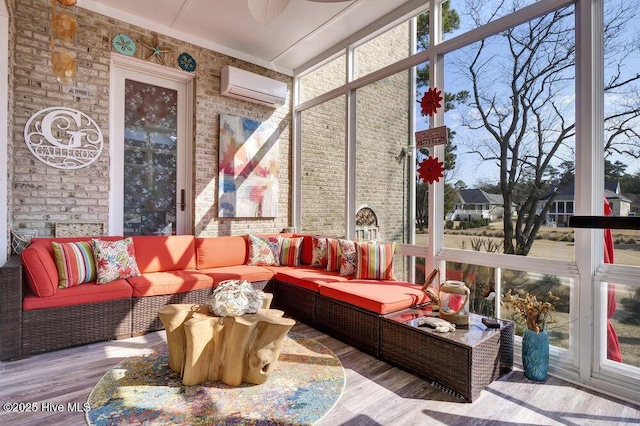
187,62
124,44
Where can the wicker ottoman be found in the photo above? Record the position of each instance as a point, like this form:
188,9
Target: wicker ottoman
464,361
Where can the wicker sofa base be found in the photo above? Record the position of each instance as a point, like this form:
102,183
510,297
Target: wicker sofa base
295,301
357,327
144,311
92,322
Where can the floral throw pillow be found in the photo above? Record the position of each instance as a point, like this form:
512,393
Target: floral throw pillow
319,252
115,260
348,258
264,251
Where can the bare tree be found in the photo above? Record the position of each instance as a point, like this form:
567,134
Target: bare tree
521,108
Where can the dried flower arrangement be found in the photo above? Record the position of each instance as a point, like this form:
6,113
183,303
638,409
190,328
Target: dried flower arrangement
528,309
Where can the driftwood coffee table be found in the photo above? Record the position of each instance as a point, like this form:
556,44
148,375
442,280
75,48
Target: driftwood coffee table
233,350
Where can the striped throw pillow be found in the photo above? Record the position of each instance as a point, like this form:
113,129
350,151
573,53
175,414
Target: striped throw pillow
374,261
290,249
333,255
74,262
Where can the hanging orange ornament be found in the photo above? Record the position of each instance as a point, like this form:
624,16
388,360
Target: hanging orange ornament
431,170
431,101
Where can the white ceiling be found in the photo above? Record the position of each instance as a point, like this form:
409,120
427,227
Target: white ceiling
304,30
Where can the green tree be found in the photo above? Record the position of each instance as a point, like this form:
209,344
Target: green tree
520,120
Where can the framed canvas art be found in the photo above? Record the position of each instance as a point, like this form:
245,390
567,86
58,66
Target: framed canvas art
248,168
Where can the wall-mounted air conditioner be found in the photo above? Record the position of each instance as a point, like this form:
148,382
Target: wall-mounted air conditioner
252,87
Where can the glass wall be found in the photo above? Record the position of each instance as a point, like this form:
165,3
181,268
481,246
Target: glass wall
508,76
323,79
382,163
512,117
323,168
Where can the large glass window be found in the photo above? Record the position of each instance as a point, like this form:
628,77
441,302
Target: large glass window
323,168
323,79
382,163
385,49
512,118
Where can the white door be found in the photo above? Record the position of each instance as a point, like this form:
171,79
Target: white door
151,149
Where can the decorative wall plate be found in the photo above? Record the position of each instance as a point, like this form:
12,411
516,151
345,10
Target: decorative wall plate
187,62
124,44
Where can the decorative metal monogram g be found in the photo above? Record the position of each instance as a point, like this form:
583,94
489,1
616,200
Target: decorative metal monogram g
64,138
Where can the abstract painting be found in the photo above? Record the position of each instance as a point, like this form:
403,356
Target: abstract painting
248,168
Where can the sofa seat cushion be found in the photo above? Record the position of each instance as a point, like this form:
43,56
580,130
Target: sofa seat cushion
158,253
170,282
306,276
381,297
250,273
80,295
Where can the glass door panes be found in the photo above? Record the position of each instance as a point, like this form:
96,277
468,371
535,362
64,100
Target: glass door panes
150,154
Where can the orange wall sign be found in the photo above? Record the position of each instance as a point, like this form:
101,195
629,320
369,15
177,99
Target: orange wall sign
431,137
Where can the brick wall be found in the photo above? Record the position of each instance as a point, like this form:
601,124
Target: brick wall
42,195
10,133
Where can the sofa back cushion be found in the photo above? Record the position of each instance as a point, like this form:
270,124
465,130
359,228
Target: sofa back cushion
39,265
215,252
306,254
165,253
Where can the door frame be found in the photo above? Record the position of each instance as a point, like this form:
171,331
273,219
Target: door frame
122,67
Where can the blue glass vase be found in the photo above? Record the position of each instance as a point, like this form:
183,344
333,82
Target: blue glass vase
535,355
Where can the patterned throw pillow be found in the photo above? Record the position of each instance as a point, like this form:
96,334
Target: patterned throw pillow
333,255
347,257
264,251
74,262
115,260
375,261
319,252
290,249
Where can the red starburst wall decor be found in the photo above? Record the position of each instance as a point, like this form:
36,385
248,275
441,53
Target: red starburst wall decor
431,101
431,170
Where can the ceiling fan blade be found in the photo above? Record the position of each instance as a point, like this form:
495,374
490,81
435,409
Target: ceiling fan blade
265,11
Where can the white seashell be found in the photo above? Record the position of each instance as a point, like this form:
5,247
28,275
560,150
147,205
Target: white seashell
235,298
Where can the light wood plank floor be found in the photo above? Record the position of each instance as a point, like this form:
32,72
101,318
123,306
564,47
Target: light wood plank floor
376,393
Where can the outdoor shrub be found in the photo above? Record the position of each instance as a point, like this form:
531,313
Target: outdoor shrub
632,305
448,224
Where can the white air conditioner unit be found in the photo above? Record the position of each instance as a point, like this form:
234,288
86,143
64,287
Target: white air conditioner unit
251,87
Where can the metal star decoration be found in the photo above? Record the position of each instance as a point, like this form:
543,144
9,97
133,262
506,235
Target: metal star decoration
155,50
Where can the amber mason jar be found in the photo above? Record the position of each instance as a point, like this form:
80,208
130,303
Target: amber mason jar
454,302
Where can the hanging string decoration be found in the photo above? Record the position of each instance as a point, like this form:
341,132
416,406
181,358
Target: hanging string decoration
431,101
64,27
431,170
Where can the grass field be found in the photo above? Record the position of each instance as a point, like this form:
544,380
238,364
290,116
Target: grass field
557,243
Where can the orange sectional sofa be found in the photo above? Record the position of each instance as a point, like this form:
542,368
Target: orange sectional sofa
37,316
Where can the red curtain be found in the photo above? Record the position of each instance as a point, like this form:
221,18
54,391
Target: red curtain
613,346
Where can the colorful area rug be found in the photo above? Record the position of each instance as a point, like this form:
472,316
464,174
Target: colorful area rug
304,385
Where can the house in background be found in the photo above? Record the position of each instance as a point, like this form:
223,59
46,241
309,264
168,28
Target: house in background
563,205
470,204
